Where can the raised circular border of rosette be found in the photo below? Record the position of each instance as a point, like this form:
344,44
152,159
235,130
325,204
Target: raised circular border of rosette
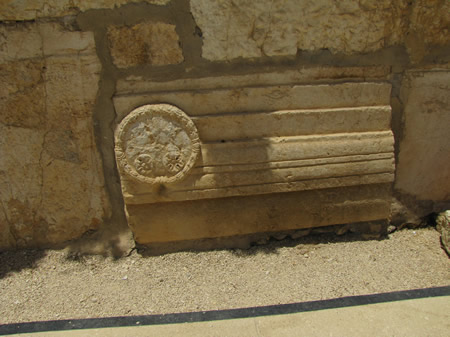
157,144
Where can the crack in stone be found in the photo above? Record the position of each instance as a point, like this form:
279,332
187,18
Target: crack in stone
10,225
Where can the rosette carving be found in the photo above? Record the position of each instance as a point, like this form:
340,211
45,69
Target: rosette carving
157,143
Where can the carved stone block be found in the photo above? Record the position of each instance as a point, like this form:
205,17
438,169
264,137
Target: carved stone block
220,163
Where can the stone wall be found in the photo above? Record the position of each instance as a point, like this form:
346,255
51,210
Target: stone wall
72,70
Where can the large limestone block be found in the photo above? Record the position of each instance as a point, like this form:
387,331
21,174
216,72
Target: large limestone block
57,41
424,159
21,93
160,224
240,28
249,29
215,163
20,41
15,10
21,186
154,43
136,84
51,178
262,99
429,26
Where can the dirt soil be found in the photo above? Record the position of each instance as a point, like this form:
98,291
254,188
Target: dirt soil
47,285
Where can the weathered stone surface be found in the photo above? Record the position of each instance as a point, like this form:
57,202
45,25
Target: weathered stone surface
32,9
240,28
424,159
322,138
156,144
216,128
429,27
272,165
19,41
20,185
57,41
443,226
262,99
51,179
215,218
22,91
152,43
135,84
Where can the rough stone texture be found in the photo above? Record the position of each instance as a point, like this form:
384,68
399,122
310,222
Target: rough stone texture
33,9
249,29
443,226
429,27
234,216
51,179
135,84
152,43
156,144
322,140
262,99
424,160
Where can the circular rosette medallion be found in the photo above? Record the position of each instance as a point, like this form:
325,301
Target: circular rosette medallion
157,143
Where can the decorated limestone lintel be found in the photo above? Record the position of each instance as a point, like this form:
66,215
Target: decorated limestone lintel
219,163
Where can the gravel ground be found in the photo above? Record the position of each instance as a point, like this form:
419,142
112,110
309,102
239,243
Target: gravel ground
48,285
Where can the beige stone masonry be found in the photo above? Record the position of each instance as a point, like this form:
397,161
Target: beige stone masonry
153,43
51,176
265,150
278,165
257,99
166,223
424,158
233,29
138,84
32,9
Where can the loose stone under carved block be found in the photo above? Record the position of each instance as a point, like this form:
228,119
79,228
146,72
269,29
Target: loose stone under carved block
253,160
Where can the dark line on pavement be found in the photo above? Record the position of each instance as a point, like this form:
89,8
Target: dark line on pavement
215,315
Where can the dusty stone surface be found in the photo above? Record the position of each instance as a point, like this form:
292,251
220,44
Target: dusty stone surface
261,98
134,84
277,165
237,28
233,216
17,42
247,153
33,9
443,226
279,28
156,144
51,178
424,159
429,27
307,269
153,43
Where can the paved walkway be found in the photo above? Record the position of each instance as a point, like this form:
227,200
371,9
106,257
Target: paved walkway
424,312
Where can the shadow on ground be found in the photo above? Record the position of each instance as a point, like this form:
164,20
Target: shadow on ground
16,261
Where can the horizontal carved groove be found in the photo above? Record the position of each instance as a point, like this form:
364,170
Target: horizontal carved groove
304,138
270,98
266,188
290,163
304,76
292,123
280,164
295,148
243,178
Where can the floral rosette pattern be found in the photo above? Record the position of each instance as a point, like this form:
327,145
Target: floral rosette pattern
156,144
